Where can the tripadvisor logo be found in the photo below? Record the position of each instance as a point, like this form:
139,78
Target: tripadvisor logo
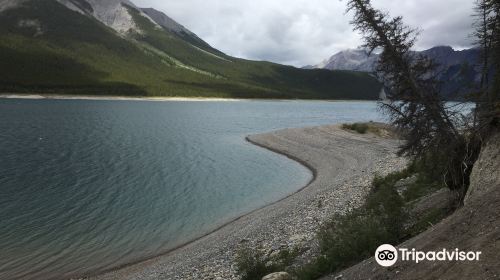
387,255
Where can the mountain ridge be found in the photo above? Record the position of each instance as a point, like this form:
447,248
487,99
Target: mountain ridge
457,70
360,57
113,47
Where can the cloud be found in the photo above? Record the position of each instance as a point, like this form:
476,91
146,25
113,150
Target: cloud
301,32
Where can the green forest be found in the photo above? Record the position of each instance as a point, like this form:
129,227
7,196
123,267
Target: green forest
48,48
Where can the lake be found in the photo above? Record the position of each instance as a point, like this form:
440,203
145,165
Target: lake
89,185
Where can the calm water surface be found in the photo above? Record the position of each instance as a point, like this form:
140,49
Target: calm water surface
90,185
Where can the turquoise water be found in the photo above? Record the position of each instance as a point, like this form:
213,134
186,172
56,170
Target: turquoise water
90,185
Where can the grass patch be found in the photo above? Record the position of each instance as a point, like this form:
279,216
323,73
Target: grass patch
253,264
360,128
346,240
378,129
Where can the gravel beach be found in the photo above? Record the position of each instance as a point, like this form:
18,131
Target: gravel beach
343,164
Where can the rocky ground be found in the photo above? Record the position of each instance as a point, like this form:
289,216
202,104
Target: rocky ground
344,164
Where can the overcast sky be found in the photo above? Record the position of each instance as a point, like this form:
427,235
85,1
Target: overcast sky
302,32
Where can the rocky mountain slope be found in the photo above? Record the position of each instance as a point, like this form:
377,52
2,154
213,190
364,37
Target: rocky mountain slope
113,47
352,60
458,70
113,13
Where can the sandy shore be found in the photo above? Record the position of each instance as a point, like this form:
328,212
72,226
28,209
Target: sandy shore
124,98
164,99
344,164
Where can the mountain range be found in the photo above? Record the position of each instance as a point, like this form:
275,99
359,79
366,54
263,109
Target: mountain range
113,47
458,70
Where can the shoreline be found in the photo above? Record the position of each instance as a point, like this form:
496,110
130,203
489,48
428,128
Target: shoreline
108,97
212,255
306,165
35,96
224,224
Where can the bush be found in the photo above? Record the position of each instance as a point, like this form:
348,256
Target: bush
253,264
346,240
360,128
385,203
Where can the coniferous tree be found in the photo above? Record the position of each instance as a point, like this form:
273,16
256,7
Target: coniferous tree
433,132
488,40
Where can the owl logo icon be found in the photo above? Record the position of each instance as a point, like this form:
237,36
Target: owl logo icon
386,255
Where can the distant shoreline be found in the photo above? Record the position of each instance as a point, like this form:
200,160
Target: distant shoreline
110,98
158,99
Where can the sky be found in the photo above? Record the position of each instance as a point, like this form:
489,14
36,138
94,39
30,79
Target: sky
305,32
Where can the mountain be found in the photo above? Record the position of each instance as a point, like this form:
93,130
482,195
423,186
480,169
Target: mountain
351,60
360,60
457,70
113,47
